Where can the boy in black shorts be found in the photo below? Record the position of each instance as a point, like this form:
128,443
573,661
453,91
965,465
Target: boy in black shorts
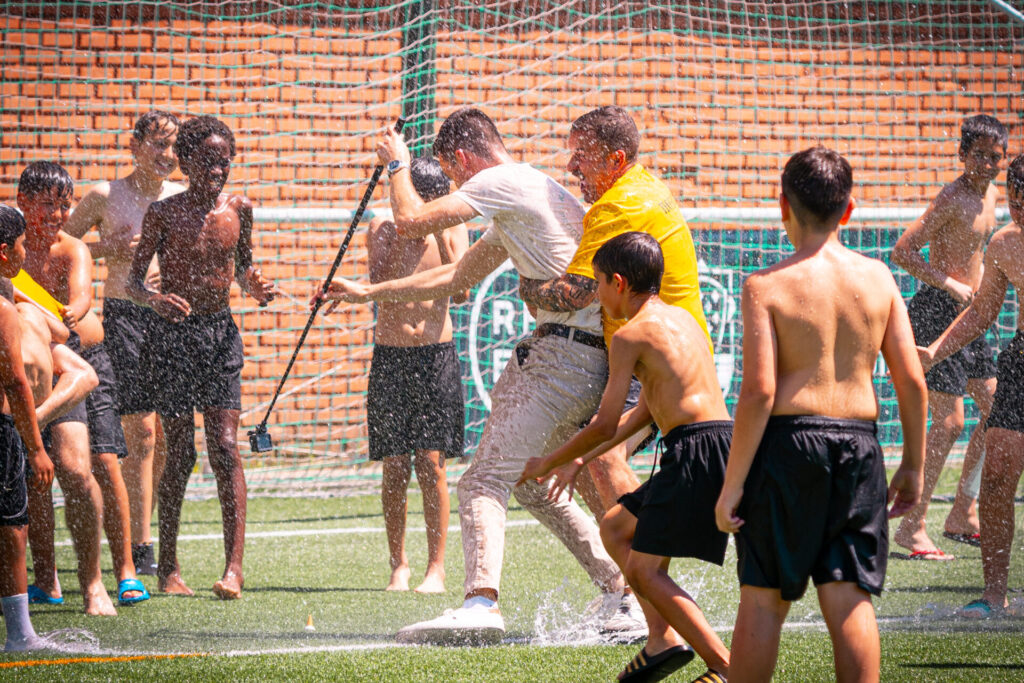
86,443
805,489
1004,438
193,354
116,209
18,428
956,226
672,513
414,402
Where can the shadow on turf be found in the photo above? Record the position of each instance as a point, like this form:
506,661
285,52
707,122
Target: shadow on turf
253,636
310,589
965,590
963,665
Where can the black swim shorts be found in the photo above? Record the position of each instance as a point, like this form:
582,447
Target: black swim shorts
931,311
414,401
193,365
13,470
125,325
814,506
105,432
675,508
1008,407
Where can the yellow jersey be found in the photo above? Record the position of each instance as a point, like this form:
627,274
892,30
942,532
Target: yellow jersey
640,202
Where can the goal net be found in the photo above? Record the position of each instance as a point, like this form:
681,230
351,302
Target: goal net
723,93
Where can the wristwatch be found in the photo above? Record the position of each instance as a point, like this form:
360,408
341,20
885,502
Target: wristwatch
396,165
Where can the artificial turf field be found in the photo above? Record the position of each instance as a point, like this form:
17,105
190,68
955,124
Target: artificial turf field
327,558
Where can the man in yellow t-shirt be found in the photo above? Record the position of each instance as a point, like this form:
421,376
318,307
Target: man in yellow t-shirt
603,144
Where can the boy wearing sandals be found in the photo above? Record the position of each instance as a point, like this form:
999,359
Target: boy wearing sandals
1004,435
672,514
805,489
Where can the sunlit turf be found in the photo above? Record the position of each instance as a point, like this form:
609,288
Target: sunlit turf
338,578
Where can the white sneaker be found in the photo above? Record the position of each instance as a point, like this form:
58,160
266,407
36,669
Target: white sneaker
462,626
627,624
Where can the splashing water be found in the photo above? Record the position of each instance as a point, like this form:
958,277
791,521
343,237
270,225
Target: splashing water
559,622
72,640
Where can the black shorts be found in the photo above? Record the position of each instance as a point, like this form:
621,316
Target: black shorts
125,325
1008,407
193,365
414,401
105,432
13,470
814,506
675,508
931,312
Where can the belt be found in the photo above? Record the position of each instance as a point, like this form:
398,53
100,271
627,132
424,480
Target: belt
571,333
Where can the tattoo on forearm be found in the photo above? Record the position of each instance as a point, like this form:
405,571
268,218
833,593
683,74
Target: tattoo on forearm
566,293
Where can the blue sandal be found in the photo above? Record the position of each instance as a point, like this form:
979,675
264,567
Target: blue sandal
131,585
37,596
977,609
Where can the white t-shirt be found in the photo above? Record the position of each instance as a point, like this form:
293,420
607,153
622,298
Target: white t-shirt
538,222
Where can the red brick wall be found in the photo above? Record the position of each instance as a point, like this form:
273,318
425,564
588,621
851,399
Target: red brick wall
718,114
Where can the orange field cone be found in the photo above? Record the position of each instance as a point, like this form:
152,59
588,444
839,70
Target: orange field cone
309,623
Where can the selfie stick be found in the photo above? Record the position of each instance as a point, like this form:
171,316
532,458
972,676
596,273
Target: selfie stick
259,438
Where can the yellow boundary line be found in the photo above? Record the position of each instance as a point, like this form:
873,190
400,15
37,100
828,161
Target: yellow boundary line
94,660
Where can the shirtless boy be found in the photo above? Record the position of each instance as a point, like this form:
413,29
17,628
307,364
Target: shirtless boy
414,402
1004,436
672,513
957,224
192,355
83,441
21,445
116,209
805,488
548,387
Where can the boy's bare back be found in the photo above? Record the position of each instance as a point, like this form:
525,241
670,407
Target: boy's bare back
827,313
680,384
392,257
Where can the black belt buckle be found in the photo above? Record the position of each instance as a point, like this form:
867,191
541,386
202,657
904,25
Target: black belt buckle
260,441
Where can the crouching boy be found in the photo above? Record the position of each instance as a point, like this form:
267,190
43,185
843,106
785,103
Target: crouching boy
672,514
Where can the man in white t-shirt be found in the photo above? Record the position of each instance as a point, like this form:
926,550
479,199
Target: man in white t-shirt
553,381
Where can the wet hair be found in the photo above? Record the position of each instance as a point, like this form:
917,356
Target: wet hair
611,127
1015,176
194,132
43,176
151,122
636,256
468,129
982,126
817,183
428,178
12,224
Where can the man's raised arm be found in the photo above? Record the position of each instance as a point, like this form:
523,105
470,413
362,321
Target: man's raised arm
415,218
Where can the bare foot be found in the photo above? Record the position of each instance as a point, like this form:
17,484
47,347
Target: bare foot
433,582
917,542
173,584
97,602
229,587
399,578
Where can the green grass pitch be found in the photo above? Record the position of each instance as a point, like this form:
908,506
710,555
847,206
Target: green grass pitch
327,558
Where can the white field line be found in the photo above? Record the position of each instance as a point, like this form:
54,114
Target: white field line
292,533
